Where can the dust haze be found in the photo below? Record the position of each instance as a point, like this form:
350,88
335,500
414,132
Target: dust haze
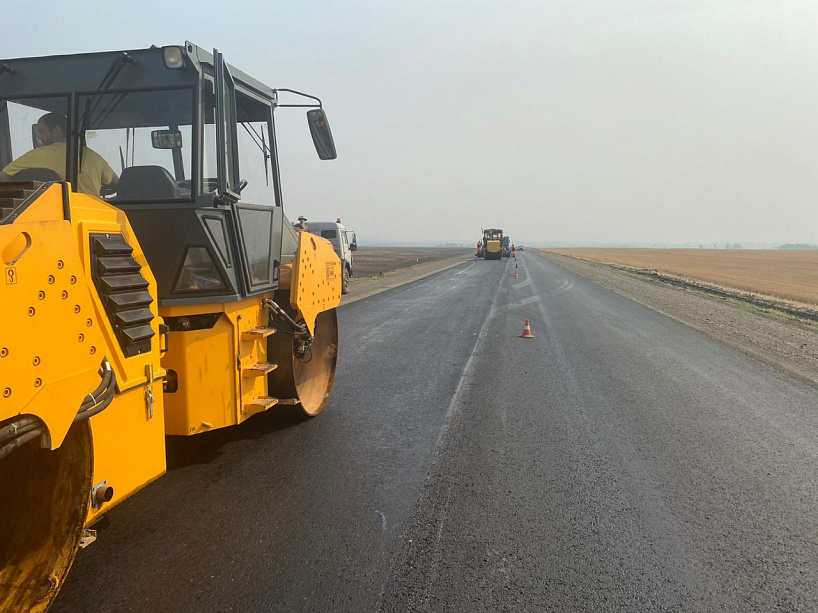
564,122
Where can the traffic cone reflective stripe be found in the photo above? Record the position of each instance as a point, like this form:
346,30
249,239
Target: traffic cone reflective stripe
526,331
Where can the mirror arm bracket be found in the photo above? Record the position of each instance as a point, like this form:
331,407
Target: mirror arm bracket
298,93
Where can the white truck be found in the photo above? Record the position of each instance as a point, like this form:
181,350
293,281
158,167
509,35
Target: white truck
343,241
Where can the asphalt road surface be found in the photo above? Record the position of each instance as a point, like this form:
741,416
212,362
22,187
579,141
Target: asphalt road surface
618,461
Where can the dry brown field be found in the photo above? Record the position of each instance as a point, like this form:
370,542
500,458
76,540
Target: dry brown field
790,275
372,261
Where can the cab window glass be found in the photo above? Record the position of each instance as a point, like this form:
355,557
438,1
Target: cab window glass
199,273
257,228
253,136
210,171
210,165
19,133
119,127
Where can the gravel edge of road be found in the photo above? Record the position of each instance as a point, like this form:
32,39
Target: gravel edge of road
798,310
786,343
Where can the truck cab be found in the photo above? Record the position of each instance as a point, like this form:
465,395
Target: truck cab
506,246
344,242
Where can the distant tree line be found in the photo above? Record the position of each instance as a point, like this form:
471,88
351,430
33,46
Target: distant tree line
798,246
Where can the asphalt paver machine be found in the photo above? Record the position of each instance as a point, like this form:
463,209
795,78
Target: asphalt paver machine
493,244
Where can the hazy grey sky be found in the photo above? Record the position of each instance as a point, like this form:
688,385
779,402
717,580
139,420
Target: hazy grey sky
561,121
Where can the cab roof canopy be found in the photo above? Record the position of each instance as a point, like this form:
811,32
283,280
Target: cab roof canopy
47,81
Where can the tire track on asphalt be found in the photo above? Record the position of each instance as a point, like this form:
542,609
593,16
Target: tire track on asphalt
431,496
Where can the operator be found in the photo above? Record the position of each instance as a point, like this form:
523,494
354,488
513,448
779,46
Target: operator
51,132
513,250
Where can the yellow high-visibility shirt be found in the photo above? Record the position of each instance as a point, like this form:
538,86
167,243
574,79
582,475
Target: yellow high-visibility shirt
95,170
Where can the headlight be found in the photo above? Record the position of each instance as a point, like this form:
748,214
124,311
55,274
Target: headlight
173,57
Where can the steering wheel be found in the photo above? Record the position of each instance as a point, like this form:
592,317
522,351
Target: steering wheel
210,184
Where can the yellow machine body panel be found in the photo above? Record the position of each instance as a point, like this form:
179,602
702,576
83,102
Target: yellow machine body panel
48,284
316,278
56,336
220,370
52,344
493,246
129,444
128,436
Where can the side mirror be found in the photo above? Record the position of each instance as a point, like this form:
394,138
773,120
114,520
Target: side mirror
353,242
321,135
166,139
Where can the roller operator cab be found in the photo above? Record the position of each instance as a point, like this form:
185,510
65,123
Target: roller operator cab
152,284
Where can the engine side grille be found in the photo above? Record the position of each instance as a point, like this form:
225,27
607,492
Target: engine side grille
124,292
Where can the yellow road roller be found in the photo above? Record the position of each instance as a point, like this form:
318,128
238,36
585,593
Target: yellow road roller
152,284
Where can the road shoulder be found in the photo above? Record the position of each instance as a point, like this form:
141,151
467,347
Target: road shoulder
786,343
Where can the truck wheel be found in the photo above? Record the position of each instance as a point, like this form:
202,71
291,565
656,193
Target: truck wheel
345,281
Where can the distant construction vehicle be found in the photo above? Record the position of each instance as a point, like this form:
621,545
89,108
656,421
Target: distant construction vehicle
183,303
506,246
492,244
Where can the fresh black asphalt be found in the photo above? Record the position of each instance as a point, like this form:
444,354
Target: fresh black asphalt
618,461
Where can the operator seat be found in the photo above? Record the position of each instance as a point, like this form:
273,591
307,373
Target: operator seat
147,183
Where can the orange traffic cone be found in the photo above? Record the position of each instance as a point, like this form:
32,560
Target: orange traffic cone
526,331
516,276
